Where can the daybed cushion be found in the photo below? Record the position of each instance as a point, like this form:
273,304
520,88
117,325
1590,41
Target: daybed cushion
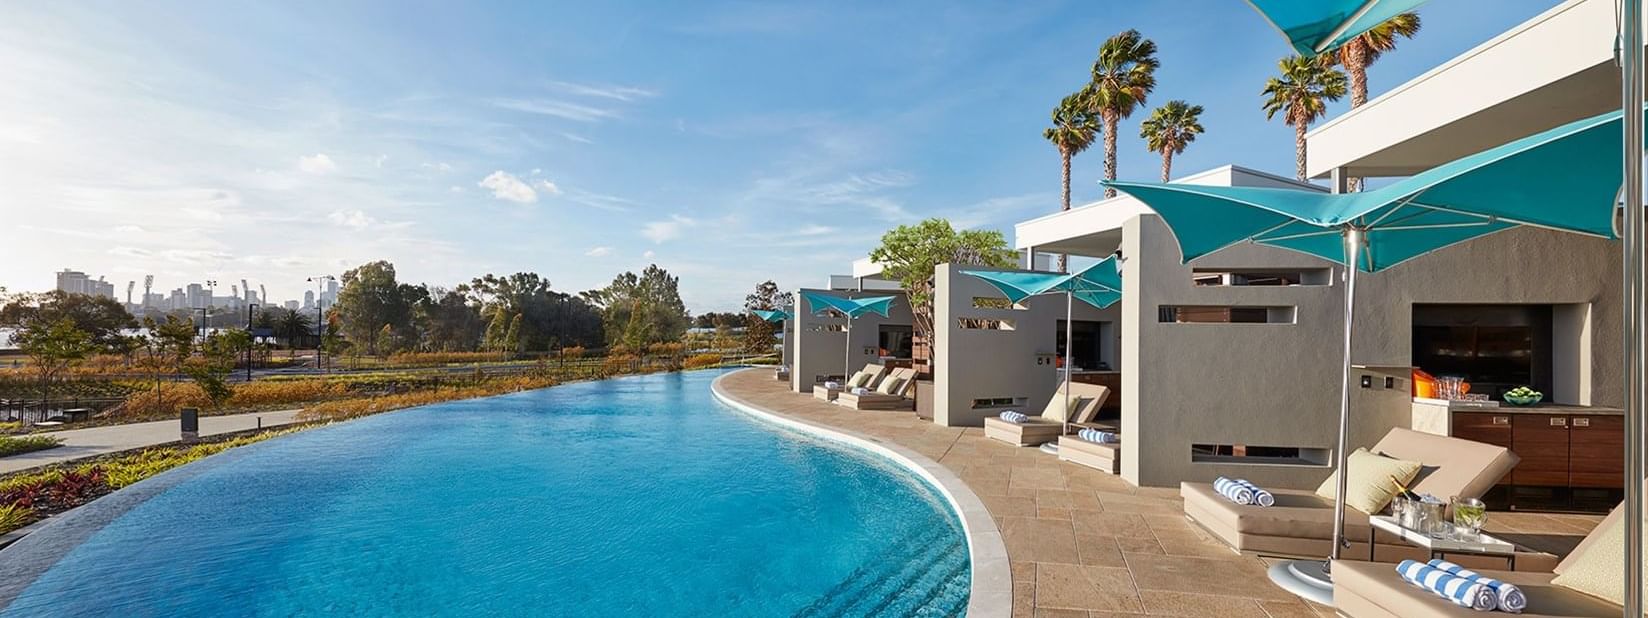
890,385
1597,566
1452,466
1298,514
1374,590
860,380
1368,486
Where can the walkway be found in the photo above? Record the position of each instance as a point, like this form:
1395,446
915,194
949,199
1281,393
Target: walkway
93,441
1082,543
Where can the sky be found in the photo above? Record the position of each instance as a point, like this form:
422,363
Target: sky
728,142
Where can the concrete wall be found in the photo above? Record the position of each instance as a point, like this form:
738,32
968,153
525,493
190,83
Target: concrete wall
1278,384
819,351
978,363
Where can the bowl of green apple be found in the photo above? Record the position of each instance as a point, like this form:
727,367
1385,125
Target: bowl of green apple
1523,396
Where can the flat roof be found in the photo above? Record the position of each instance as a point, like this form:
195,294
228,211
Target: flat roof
1095,229
1550,70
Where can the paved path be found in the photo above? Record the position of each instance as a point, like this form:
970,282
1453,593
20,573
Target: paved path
78,443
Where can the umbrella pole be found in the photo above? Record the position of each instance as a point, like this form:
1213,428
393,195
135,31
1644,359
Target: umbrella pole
1632,98
1069,318
1353,243
847,354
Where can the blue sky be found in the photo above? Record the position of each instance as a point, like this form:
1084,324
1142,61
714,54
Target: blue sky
729,142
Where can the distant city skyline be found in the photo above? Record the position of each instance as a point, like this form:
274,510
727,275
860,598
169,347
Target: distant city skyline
193,295
729,142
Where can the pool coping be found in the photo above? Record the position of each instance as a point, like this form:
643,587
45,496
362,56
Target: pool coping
991,592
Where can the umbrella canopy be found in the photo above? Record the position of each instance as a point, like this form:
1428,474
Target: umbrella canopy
1536,181
771,315
850,307
1098,285
1315,26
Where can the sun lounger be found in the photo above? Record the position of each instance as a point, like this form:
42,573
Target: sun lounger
1103,456
875,371
892,394
1301,523
1364,589
1047,426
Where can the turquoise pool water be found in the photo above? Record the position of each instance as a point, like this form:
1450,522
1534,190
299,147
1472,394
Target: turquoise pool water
629,497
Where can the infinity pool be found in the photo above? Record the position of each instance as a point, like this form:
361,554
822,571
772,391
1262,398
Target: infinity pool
628,497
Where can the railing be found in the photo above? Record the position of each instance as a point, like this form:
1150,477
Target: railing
68,408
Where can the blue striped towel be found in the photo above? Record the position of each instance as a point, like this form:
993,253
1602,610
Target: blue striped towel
1014,417
833,385
1461,591
1233,491
1099,437
1511,598
1260,496
859,390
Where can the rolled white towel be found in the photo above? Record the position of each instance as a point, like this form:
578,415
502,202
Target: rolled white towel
1014,417
1462,592
1511,598
1098,436
861,391
1260,496
832,385
1233,491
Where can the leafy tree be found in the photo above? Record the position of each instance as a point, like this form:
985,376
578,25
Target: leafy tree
450,321
371,299
293,324
549,319
758,333
1123,75
497,329
217,359
53,347
102,319
910,253
1357,54
169,344
1170,129
512,336
643,308
1075,126
1301,94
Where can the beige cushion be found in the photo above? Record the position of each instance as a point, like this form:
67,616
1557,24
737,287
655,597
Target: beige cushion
890,385
1597,568
1298,514
1368,486
1056,409
1364,589
859,380
1452,466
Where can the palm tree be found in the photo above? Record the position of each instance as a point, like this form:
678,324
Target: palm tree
1301,94
1123,76
1170,129
293,324
1073,131
1363,50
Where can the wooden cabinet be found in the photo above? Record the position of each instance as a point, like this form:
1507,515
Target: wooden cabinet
1541,440
1483,427
1596,451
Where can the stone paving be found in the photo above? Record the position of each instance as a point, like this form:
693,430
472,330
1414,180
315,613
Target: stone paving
1083,543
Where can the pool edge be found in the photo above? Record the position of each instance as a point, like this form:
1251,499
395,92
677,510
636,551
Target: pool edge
991,589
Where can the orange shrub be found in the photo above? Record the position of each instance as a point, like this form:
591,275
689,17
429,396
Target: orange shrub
361,406
442,358
702,360
619,363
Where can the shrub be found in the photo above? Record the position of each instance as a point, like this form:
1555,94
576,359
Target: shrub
702,360
619,363
362,406
13,517
444,358
12,445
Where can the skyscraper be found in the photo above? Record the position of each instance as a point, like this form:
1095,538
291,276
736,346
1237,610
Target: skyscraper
309,299
72,281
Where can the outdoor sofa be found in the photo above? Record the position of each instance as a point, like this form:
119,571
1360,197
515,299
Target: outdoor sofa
1085,400
892,393
1363,589
871,374
1300,524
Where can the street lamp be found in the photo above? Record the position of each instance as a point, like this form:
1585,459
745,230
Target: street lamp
202,328
211,292
250,307
320,286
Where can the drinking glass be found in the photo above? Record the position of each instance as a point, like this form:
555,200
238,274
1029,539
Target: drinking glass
1470,514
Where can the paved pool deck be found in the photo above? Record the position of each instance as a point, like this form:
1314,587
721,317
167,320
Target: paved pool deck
94,441
1083,543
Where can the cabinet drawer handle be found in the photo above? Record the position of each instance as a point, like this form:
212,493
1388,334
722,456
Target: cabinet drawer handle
1501,420
1559,422
1582,422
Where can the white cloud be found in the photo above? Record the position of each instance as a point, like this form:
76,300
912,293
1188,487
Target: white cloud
547,187
438,166
129,229
669,229
560,109
317,163
574,137
455,189
383,158
130,252
353,219
814,230
604,91
506,186
537,170
649,254
599,252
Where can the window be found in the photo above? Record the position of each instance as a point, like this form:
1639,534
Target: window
984,324
828,328
1259,455
1276,278
997,402
1091,340
1224,314
987,302
1493,347
896,341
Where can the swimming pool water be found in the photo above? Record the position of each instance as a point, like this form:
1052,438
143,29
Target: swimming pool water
628,497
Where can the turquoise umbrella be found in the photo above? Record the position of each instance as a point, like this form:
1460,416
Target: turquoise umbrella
1099,285
851,308
771,315
1316,26
1566,178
